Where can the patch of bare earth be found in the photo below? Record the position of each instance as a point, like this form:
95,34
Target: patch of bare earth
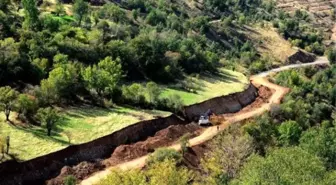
123,153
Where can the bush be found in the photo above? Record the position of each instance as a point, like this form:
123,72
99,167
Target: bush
174,103
70,180
332,56
163,154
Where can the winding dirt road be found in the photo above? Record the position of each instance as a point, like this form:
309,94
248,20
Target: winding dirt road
209,133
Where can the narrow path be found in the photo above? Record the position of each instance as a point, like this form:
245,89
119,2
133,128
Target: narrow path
209,133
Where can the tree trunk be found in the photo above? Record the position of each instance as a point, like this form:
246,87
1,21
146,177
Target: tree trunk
7,112
49,131
80,20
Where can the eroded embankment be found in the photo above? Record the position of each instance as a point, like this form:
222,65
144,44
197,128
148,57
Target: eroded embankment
124,153
224,104
38,170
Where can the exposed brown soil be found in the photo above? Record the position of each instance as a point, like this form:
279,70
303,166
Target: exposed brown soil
79,171
192,158
124,153
264,93
163,138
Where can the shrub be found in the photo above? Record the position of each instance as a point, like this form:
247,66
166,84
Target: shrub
70,180
332,56
163,154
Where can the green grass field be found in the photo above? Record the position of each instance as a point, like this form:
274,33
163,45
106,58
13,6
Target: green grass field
84,124
197,89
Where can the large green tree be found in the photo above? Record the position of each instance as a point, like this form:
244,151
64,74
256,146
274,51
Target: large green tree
26,105
103,77
7,100
48,117
289,132
322,142
9,59
80,9
31,13
289,166
62,83
229,151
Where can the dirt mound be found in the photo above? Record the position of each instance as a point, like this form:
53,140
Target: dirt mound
301,57
162,138
192,158
79,171
124,153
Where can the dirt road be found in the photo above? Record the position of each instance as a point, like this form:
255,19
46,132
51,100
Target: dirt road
209,133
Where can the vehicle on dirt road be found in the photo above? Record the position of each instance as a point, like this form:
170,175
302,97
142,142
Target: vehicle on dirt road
204,119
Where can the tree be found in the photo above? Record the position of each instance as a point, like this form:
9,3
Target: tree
31,13
59,9
104,27
290,132
135,13
9,59
229,151
26,105
332,56
134,93
321,141
333,96
174,102
113,12
262,132
48,117
61,83
153,92
103,77
7,99
283,166
80,9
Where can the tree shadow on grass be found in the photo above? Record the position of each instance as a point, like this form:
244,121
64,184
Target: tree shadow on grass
42,133
215,77
93,112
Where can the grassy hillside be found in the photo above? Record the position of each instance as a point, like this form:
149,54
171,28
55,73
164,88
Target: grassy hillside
79,124
203,87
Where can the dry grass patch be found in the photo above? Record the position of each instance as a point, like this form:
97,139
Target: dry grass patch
270,43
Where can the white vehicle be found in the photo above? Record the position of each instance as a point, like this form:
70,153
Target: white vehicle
204,121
